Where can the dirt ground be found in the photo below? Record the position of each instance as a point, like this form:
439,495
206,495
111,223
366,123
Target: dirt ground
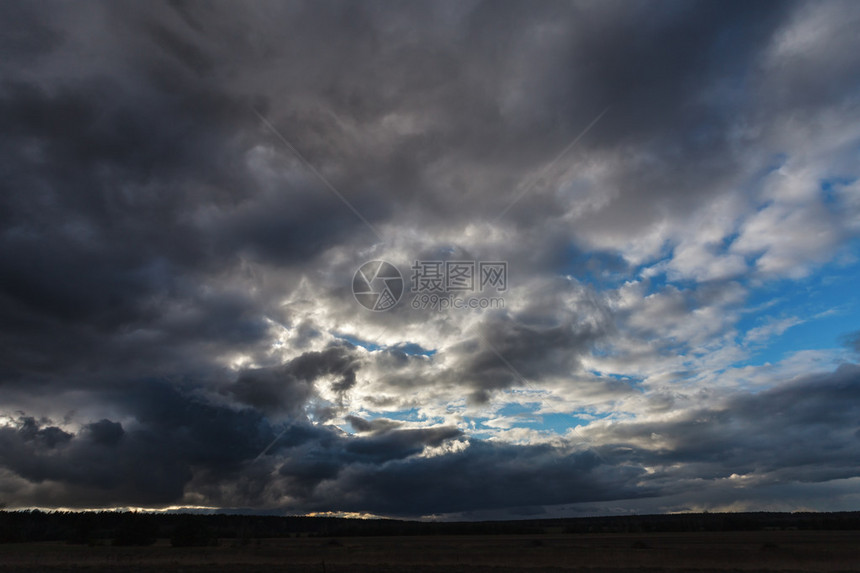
735,551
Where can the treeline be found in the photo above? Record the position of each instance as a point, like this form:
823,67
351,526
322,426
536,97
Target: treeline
137,528
183,530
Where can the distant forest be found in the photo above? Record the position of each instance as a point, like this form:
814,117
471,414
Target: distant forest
130,528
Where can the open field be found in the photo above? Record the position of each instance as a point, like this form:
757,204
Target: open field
710,551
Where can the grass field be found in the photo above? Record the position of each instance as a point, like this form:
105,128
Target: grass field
734,551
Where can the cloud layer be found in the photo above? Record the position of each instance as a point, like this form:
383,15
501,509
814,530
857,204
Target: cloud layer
188,190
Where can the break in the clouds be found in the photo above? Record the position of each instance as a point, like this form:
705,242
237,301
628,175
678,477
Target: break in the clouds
189,188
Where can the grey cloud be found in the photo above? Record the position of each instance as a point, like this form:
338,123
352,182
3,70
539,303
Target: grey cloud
25,35
105,432
48,437
380,425
508,353
400,443
770,436
484,475
804,429
148,462
287,388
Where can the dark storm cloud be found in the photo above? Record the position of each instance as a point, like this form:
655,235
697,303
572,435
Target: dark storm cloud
95,188
482,476
25,34
288,387
468,89
400,444
147,460
177,435
774,435
103,177
805,429
105,432
48,437
522,349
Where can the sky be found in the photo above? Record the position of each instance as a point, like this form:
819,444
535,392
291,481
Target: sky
220,223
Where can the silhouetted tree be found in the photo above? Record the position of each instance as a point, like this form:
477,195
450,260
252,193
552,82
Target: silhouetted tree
193,532
136,529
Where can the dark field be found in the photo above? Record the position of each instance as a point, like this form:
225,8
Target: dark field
701,551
